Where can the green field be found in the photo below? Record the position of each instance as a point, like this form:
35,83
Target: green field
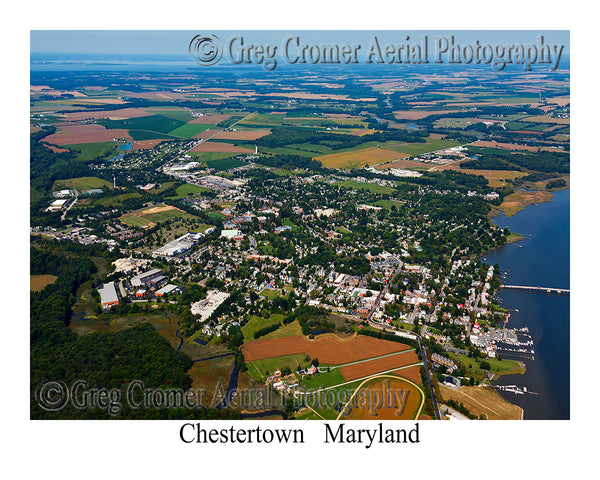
265,119
207,156
419,148
90,151
181,114
133,220
256,323
270,293
261,369
371,187
189,189
190,129
222,164
158,217
117,201
153,123
81,183
387,204
323,379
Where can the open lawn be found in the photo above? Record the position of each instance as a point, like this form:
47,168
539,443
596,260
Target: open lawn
261,369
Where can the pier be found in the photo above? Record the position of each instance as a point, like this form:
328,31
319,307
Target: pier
558,291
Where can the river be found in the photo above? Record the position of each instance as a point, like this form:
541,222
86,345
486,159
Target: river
540,259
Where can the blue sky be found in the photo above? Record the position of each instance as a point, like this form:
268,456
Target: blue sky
169,42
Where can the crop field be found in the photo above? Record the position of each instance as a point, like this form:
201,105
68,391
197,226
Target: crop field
359,158
220,147
82,183
330,349
189,130
363,369
90,151
222,164
122,114
431,145
385,398
419,114
153,123
146,144
212,119
264,118
243,135
70,134
547,119
38,282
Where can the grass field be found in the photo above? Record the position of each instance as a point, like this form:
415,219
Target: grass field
223,164
152,123
371,187
358,158
90,151
431,145
38,282
482,401
207,156
81,183
149,216
189,189
255,323
261,369
515,202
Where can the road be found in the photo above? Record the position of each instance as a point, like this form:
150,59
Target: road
62,218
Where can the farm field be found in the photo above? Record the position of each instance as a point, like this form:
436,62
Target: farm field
70,134
404,400
243,135
38,282
220,147
211,119
82,183
358,158
122,114
222,164
359,370
90,151
330,349
189,130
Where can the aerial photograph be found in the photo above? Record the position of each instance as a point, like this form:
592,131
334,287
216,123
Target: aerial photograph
299,225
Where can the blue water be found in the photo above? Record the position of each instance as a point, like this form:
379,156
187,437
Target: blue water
127,146
540,259
413,126
118,157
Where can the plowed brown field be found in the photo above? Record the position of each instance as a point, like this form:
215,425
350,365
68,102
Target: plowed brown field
359,370
328,349
220,147
89,133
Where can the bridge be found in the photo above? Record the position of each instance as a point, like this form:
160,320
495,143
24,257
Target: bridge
559,291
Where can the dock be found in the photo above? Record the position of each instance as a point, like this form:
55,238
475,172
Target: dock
558,291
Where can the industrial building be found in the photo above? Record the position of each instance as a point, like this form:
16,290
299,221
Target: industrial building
151,277
178,246
108,295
